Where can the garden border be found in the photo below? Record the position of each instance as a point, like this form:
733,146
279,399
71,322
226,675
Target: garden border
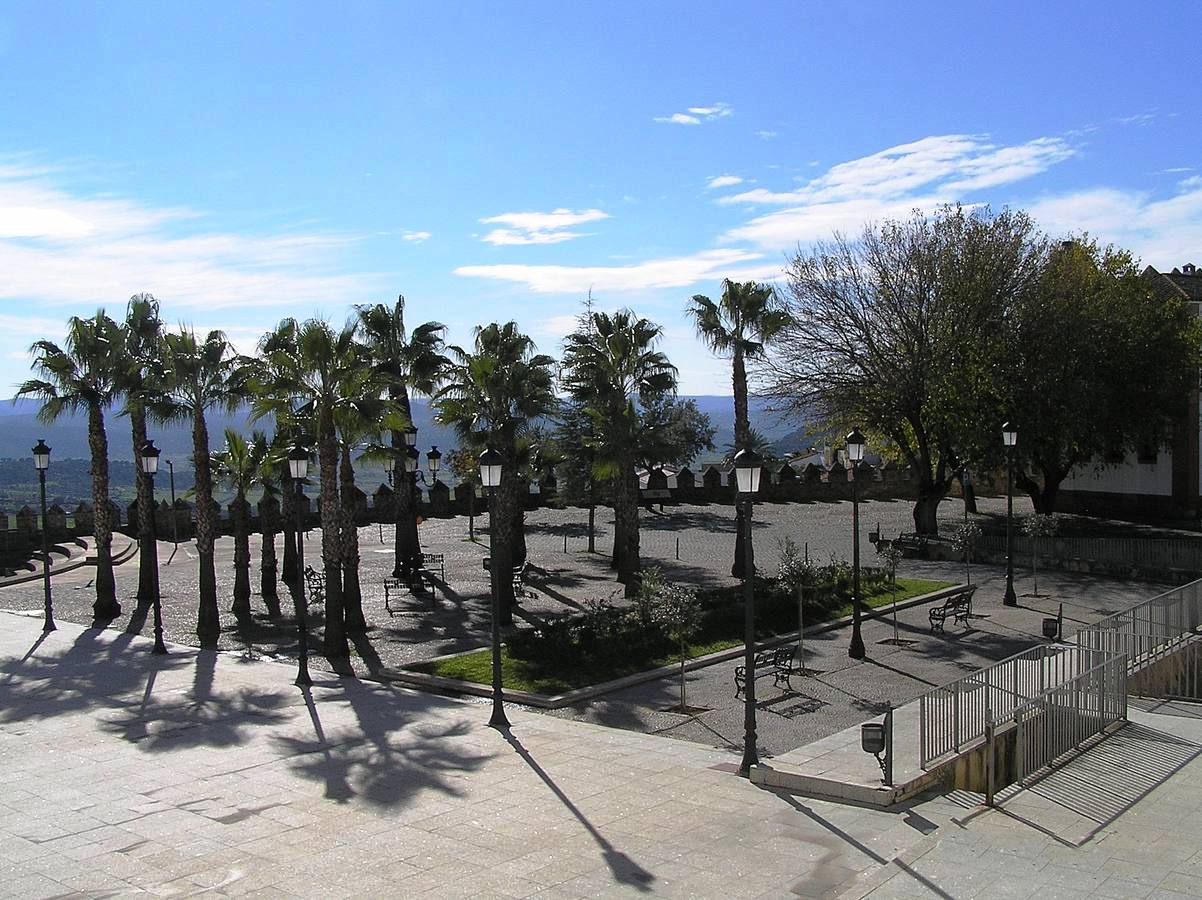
442,684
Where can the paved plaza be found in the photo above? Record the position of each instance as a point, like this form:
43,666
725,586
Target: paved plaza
210,773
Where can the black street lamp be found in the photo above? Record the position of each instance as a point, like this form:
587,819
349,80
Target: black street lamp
855,453
389,465
148,460
298,468
434,462
1009,440
748,467
41,462
491,463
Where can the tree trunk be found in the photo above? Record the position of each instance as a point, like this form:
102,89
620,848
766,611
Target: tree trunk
519,530
105,608
352,596
239,511
148,558
208,617
268,562
288,511
742,440
1043,496
335,645
503,521
926,508
626,528
407,546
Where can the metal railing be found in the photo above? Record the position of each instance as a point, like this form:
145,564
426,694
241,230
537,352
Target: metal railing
1064,717
1149,631
957,715
1163,554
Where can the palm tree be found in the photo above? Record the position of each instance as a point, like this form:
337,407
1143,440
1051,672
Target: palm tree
270,461
740,325
236,466
200,380
79,377
406,362
308,365
492,396
609,365
139,380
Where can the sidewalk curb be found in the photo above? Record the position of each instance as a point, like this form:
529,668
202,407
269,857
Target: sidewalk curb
441,684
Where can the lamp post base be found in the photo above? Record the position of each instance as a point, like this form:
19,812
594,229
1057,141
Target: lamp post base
856,649
498,719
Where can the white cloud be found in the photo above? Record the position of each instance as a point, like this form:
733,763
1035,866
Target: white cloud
721,181
59,246
765,135
416,237
672,272
539,227
698,114
889,184
1165,231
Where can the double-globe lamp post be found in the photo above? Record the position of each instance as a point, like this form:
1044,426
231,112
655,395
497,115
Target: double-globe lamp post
41,462
855,455
298,468
148,461
491,463
748,466
1009,441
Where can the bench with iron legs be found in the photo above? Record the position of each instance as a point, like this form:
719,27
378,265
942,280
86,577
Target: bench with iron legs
958,605
518,578
428,565
777,662
315,585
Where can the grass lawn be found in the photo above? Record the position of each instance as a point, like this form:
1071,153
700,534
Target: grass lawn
541,677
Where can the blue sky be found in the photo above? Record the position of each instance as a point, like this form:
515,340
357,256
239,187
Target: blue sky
244,162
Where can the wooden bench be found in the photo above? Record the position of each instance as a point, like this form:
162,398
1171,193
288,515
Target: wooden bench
315,585
777,662
958,605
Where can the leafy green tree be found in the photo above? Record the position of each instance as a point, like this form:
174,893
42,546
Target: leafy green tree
893,333
493,395
199,380
1037,527
740,325
1096,362
80,377
406,362
609,365
466,469
676,609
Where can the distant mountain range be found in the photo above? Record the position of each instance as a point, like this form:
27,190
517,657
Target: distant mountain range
68,439
20,429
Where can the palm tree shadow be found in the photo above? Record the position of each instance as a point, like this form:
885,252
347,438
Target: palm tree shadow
625,870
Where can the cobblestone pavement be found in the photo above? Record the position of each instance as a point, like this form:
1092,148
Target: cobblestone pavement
456,617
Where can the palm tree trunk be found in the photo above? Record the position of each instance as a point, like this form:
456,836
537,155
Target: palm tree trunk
208,617
106,607
148,558
626,527
335,645
268,562
742,439
239,511
288,511
352,596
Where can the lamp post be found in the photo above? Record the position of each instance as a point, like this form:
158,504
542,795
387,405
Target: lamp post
41,462
748,466
389,465
1010,441
855,453
434,462
148,460
490,476
298,468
